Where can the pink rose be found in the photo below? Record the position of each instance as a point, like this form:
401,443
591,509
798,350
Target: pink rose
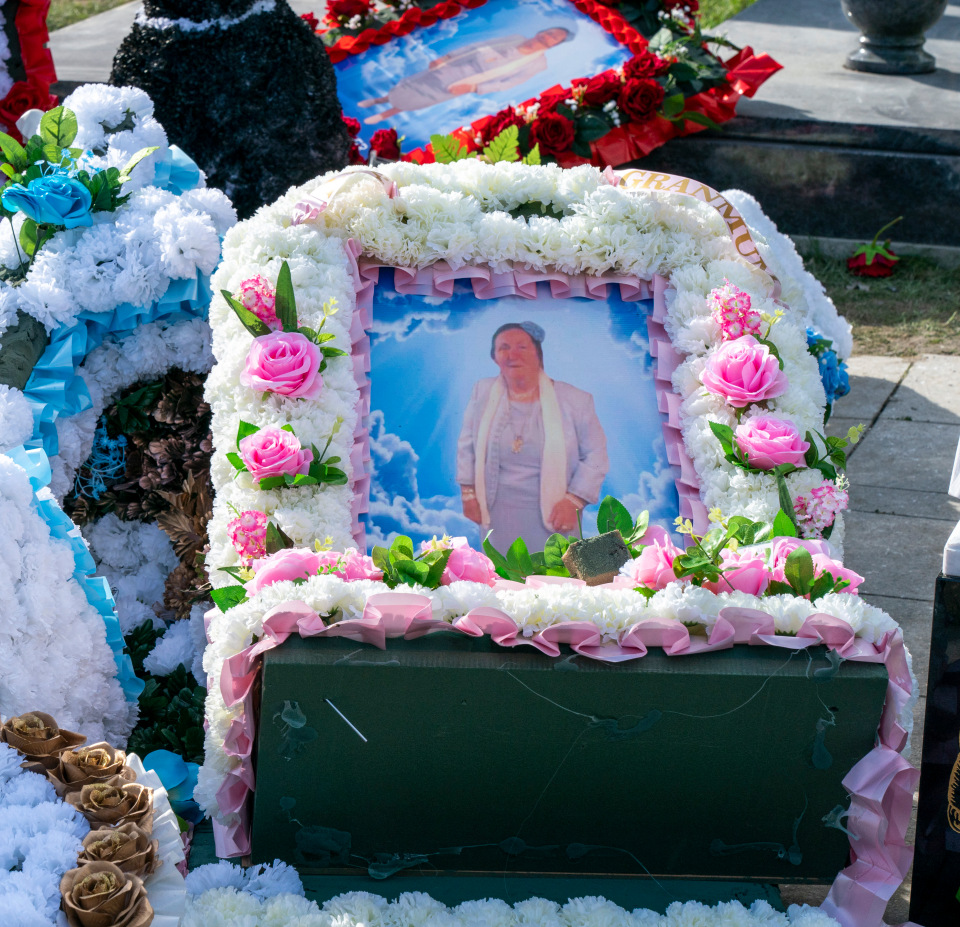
783,547
292,563
743,371
823,561
349,565
287,363
743,574
654,567
824,564
768,442
468,565
274,452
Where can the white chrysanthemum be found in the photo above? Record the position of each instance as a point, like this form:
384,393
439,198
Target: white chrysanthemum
188,240
276,878
9,763
221,874
16,418
176,646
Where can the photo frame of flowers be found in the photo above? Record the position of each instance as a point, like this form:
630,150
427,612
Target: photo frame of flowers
729,354
664,83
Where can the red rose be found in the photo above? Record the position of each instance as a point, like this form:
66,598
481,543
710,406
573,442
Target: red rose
353,125
341,10
880,266
310,20
23,96
646,64
355,157
500,121
385,145
639,99
600,89
552,132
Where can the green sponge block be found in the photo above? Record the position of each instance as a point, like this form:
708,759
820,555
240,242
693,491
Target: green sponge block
597,560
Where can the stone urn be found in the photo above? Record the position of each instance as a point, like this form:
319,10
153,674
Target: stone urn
891,40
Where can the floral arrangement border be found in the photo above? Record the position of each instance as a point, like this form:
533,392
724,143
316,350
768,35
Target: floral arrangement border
881,785
56,389
362,208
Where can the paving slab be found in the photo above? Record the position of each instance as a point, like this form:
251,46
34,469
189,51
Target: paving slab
905,454
930,392
812,38
898,557
873,381
911,503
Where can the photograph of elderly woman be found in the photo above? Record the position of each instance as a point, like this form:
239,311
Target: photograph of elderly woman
511,416
475,64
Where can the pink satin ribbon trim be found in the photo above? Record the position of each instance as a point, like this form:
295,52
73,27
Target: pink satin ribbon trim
881,785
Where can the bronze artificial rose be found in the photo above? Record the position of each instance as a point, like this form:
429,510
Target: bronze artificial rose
86,765
103,895
37,736
126,846
116,801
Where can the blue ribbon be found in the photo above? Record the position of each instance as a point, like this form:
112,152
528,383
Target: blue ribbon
54,389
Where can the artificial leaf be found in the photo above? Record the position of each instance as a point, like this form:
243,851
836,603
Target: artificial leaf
286,302
673,105
14,152
288,428
53,154
823,584
227,596
772,348
413,572
783,526
518,558
245,429
447,148
533,155
236,460
798,569
250,321
28,236
639,528
553,551
498,560
402,546
58,127
701,120
724,434
504,146
124,174
437,566
272,482
786,502
276,539
590,127
613,516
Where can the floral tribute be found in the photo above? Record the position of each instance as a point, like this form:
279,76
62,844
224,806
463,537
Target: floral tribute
673,85
749,561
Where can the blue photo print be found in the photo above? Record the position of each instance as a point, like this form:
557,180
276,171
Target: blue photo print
450,74
508,415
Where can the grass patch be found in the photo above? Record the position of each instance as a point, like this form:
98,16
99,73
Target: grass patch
65,12
714,12
916,311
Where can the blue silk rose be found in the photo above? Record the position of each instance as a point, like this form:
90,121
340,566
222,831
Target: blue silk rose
54,199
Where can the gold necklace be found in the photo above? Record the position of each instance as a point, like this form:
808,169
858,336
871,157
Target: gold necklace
517,445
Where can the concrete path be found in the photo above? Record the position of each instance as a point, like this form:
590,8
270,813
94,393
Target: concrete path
812,38
900,514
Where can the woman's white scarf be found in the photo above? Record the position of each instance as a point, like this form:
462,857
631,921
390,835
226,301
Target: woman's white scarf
553,457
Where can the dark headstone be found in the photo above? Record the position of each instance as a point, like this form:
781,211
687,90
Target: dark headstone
246,89
934,900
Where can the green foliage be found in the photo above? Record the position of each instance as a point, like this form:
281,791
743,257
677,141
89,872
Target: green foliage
226,597
402,567
131,411
448,148
171,707
505,147
58,127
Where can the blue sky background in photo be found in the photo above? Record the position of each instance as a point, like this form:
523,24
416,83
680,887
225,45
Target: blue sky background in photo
427,353
374,72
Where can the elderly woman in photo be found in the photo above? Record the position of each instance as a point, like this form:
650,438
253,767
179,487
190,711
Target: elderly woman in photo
532,452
